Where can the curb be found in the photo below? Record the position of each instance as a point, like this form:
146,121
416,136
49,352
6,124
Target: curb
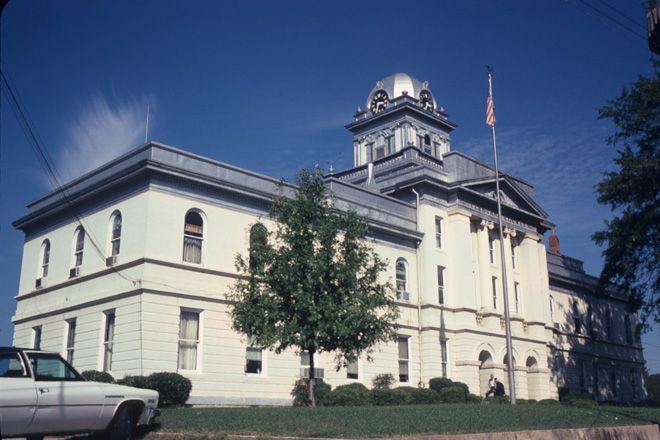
633,432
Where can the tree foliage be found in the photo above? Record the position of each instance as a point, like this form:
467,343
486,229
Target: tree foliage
632,190
313,283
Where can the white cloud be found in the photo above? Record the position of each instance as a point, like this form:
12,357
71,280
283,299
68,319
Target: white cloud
101,132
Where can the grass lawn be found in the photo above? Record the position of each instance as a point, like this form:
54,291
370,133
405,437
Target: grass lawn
397,420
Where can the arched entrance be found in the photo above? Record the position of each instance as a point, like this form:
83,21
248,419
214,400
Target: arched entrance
486,368
534,379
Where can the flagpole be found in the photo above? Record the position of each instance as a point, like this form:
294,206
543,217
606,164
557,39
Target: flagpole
507,321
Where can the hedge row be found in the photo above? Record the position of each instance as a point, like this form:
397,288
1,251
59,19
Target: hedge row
173,388
356,394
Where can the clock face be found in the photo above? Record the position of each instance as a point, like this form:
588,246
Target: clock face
426,100
379,101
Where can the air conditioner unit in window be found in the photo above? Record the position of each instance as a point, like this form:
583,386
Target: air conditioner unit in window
37,283
555,326
111,261
405,296
318,373
74,272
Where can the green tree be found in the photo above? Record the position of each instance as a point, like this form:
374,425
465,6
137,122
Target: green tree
313,283
653,387
632,237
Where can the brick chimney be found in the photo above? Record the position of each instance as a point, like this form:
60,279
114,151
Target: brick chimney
553,242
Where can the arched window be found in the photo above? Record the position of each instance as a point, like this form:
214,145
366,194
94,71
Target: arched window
115,233
193,237
402,279
44,259
258,241
79,246
577,320
552,309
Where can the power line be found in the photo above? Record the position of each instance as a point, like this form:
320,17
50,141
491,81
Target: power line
45,160
618,11
612,19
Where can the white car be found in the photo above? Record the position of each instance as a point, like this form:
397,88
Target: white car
41,394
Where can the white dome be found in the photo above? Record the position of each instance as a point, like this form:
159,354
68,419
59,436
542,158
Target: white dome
395,86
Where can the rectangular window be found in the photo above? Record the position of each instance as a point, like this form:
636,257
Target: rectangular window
404,358
254,358
70,339
108,340
629,338
581,373
441,285
608,325
188,339
36,337
633,384
443,351
516,296
380,152
494,281
352,370
304,359
438,232
614,382
514,257
596,383
491,249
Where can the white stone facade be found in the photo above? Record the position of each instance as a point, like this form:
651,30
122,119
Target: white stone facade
147,285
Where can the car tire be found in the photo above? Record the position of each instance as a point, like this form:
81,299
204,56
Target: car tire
35,437
123,426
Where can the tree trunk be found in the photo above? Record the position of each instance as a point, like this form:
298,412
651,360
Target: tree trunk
312,381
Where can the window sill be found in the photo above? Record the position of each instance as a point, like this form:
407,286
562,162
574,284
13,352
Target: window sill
195,372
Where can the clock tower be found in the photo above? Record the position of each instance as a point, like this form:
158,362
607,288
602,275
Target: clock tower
400,112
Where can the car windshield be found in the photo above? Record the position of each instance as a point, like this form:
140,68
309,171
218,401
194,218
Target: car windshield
50,366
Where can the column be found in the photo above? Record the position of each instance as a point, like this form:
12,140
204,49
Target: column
484,272
508,234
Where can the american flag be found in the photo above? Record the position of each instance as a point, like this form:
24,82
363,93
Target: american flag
490,110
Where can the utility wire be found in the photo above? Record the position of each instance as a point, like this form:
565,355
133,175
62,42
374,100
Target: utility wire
618,11
46,162
612,19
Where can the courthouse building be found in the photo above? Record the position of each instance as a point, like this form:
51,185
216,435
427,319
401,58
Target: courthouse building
129,273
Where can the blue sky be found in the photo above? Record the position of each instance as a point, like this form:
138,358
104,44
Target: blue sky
269,85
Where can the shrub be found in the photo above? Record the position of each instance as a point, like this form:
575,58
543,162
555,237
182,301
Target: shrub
472,398
426,396
498,400
462,385
438,383
383,381
354,394
404,396
388,397
173,388
583,403
526,401
548,402
301,395
453,394
98,376
581,395
135,381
